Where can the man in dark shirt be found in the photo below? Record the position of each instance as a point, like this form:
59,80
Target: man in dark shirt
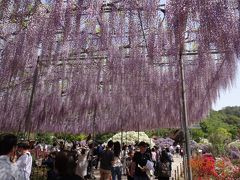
139,161
106,159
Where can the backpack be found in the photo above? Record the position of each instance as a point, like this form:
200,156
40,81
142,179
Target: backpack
165,169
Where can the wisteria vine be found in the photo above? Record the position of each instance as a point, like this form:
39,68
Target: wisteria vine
112,65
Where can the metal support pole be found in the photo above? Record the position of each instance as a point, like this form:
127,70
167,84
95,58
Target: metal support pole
28,124
184,144
126,138
121,138
94,124
138,133
121,132
184,117
184,158
65,139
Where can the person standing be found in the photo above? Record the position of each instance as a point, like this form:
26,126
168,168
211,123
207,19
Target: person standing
62,146
99,152
178,147
65,166
165,166
154,156
24,162
106,160
117,164
124,157
8,170
128,165
139,161
171,149
90,160
82,163
170,157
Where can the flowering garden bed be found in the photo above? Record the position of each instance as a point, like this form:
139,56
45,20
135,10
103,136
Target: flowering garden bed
206,167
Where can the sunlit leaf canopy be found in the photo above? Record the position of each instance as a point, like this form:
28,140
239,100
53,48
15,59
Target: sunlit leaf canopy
78,66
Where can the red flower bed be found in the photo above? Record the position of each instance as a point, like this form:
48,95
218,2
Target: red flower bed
203,167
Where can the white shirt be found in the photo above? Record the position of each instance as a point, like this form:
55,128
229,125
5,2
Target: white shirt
82,164
154,156
117,162
8,170
24,163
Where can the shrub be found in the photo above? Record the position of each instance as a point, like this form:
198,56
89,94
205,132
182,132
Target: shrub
203,167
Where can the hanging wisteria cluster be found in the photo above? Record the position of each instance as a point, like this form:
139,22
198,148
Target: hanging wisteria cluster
95,65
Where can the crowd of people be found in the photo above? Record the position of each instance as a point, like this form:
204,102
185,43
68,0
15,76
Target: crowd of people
15,159
78,162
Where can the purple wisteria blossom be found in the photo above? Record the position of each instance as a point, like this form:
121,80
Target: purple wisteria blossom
112,67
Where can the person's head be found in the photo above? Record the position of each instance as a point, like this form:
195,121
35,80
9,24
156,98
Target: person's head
117,148
142,146
23,147
31,144
72,159
131,154
110,144
83,151
167,150
90,144
65,163
8,144
61,160
124,147
74,147
164,155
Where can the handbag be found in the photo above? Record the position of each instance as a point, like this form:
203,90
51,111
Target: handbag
165,170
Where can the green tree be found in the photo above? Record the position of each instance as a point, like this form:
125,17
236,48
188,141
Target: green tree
221,119
162,132
48,138
103,137
234,110
71,137
197,134
219,139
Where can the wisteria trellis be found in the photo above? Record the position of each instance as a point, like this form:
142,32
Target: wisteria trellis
113,60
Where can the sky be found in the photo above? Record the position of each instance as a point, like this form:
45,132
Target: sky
230,97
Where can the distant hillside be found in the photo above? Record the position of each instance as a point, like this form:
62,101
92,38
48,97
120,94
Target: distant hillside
228,119
233,110
232,115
